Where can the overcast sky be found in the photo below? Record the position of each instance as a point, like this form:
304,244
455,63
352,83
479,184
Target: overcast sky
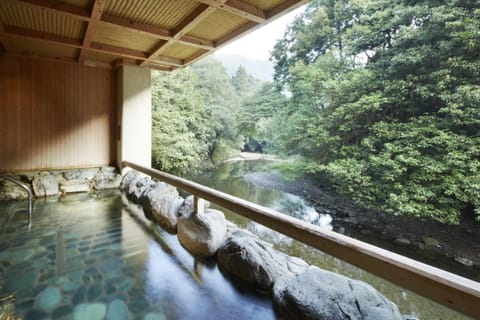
258,44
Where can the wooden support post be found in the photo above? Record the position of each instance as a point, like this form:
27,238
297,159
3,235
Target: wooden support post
198,205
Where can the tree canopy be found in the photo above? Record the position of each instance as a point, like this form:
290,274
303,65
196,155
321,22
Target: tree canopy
194,116
379,98
385,102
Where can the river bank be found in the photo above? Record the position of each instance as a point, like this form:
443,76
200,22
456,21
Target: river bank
427,241
247,156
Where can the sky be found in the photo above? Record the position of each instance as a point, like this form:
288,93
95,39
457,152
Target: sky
258,44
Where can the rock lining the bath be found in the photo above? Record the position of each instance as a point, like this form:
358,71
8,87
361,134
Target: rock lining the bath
299,291
53,182
202,233
255,261
320,294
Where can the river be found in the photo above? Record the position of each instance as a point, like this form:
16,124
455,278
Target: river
230,178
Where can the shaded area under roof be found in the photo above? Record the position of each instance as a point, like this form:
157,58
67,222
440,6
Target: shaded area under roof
165,35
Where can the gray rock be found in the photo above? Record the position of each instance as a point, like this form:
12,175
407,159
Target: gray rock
49,298
231,228
106,180
89,311
45,184
11,191
75,185
117,310
187,207
87,173
255,261
466,262
402,241
164,202
320,294
155,192
202,234
430,242
138,188
409,317
128,178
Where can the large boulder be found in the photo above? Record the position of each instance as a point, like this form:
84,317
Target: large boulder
127,179
138,188
162,203
255,261
318,294
202,233
45,184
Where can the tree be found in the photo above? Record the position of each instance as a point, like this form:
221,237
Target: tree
244,83
258,116
181,128
385,102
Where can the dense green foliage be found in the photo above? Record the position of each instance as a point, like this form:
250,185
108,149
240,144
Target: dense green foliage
380,98
181,128
385,102
194,115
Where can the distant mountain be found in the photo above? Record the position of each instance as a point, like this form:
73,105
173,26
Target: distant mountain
262,70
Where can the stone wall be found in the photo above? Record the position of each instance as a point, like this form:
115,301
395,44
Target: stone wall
56,182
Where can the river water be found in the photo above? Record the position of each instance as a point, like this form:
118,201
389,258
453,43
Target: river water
229,178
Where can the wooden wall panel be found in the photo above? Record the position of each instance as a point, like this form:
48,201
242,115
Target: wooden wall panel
55,115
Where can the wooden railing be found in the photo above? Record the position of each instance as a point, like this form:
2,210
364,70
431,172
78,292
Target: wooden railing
456,292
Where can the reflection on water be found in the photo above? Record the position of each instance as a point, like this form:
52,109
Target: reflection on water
88,254
229,179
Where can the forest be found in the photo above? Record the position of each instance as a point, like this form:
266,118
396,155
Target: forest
378,98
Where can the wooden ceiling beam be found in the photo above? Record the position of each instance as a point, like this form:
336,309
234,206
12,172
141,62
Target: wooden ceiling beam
196,56
142,28
235,33
137,27
169,60
43,36
197,42
280,9
201,12
94,46
96,14
284,7
123,52
238,8
156,32
161,68
58,7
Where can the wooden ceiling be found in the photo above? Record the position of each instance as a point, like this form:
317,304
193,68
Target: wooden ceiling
157,34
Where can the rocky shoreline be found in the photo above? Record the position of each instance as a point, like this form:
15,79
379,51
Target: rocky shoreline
460,244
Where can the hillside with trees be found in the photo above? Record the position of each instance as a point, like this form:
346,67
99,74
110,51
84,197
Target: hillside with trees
385,102
194,116
380,99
